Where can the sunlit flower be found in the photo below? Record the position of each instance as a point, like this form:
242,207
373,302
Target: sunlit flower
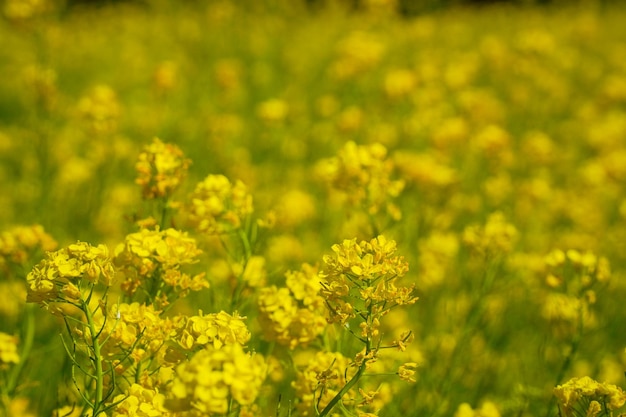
161,168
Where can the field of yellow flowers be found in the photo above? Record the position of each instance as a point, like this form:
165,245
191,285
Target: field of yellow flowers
278,209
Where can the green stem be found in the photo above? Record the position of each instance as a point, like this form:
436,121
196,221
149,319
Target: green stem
575,344
343,391
247,248
355,378
99,375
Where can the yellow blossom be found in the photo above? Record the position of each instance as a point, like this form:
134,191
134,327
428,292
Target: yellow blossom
76,264
161,168
406,371
8,350
217,205
364,175
212,377
139,402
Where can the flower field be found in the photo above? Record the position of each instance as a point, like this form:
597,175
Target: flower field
279,208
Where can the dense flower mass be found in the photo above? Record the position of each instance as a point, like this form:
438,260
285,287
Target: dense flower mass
213,377
364,174
365,271
293,315
63,274
318,382
488,142
151,259
161,168
133,330
213,329
139,402
218,206
586,397
20,243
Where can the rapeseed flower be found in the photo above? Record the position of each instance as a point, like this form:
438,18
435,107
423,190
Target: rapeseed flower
213,377
584,396
161,168
8,350
62,274
218,206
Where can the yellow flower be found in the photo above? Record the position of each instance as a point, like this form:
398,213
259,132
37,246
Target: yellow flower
293,316
215,329
139,402
406,371
62,273
100,109
161,168
371,269
20,244
217,206
363,174
8,350
320,380
497,236
580,392
145,252
254,274
208,381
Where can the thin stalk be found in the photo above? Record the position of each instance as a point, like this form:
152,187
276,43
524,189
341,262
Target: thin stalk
575,344
355,378
99,375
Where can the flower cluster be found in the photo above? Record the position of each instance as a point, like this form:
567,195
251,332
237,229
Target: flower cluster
61,275
437,253
152,260
406,371
320,381
582,397
139,402
572,277
497,236
357,53
132,330
100,109
219,206
363,174
369,268
215,329
20,244
208,382
487,409
8,350
576,271
295,315
161,168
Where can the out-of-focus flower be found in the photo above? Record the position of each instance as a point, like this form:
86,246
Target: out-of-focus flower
364,173
295,315
101,110
218,206
8,350
161,168
213,377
